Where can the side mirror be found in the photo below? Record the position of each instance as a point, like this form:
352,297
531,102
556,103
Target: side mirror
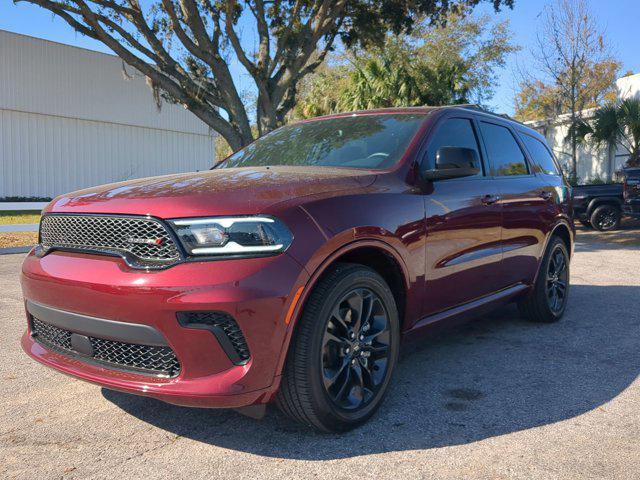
454,162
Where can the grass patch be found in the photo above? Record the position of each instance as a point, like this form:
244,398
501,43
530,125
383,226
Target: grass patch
12,217
18,239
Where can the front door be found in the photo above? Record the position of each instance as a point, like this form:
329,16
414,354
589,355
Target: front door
463,223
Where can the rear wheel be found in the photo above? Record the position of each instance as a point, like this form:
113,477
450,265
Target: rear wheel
548,300
606,217
344,351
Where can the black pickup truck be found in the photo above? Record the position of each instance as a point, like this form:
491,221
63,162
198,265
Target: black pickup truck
602,206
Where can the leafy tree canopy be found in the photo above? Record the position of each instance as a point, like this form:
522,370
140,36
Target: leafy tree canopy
435,64
185,47
537,100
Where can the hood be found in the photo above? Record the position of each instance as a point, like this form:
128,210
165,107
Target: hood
232,191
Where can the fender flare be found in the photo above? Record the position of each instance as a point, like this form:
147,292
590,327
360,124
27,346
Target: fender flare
561,223
596,202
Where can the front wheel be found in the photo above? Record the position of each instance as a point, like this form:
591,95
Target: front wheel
548,299
344,351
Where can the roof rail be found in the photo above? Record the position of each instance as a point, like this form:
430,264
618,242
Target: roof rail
475,106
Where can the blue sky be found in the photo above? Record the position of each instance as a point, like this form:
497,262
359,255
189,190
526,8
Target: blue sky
618,18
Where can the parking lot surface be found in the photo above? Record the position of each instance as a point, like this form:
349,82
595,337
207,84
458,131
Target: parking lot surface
496,398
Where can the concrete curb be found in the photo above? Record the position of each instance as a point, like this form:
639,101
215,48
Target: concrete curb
19,227
23,205
14,250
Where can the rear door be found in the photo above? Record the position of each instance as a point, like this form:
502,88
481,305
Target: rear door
524,199
553,186
463,222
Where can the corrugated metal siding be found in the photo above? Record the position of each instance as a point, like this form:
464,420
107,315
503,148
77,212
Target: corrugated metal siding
43,155
39,76
69,120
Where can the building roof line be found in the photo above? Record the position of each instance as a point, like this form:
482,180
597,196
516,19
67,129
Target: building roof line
132,125
55,42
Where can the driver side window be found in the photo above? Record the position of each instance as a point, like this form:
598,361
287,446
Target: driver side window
454,132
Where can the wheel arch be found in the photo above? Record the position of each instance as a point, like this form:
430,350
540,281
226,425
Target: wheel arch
565,232
373,253
597,202
376,254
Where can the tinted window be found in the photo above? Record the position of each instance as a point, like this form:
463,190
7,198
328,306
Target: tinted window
366,141
455,132
505,155
542,158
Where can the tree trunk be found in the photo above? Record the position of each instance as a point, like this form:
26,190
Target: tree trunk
266,115
574,156
574,123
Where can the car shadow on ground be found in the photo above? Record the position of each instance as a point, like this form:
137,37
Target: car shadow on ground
493,376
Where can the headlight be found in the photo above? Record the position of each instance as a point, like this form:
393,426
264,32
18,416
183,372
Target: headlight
232,236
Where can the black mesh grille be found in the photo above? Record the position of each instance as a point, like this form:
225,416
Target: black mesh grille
224,323
126,356
146,242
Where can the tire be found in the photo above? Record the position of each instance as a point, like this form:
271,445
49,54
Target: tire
310,391
539,305
606,217
585,223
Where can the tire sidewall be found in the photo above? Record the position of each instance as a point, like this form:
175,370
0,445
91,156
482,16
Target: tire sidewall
599,211
337,417
542,280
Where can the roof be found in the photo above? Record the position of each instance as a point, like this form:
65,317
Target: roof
417,110
428,110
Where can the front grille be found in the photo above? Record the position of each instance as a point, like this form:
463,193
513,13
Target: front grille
148,359
224,327
143,242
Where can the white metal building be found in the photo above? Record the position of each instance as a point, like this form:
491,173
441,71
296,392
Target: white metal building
592,164
70,118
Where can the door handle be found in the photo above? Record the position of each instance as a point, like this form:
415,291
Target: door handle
490,199
546,195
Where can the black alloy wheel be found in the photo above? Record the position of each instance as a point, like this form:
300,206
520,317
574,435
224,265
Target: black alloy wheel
343,352
557,280
355,349
548,297
606,218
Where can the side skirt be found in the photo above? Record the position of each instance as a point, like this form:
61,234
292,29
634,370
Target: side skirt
465,312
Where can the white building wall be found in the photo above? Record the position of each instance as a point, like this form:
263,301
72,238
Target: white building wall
69,119
629,86
66,154
592,163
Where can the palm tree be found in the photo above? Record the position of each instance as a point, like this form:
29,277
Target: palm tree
616,123
389,80
379,82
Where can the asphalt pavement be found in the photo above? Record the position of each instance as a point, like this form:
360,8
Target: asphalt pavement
497,398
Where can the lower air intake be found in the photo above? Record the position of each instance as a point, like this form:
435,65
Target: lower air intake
226,330
146,359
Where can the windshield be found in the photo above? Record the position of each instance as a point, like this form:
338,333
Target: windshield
366,141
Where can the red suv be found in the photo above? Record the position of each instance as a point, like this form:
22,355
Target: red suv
292,271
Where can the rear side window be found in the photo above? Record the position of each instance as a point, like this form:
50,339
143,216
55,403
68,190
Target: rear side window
454,132
505,156
542,158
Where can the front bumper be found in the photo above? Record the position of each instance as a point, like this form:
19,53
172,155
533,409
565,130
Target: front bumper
255,292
